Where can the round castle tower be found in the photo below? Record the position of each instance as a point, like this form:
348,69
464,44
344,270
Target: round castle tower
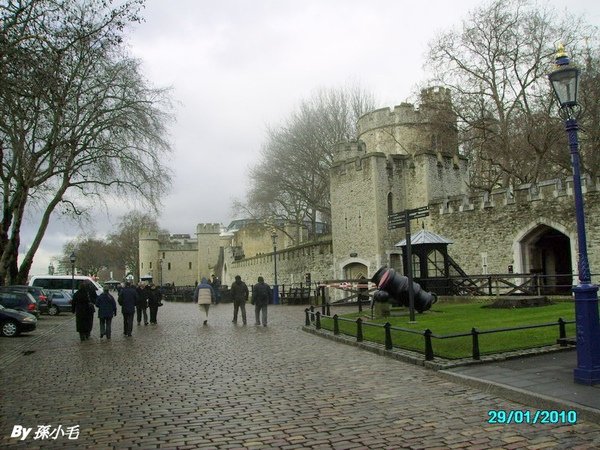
149,247
406,130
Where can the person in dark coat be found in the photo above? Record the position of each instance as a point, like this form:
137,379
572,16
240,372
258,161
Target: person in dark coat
107,309
142,304
128,299
83,308
154,301
261,294
239,293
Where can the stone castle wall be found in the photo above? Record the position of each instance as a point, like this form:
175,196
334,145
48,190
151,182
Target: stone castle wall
292,265
495,224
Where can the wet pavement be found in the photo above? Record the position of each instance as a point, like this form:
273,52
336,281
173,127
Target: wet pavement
183,385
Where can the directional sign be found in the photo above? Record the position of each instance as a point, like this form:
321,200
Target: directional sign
398,220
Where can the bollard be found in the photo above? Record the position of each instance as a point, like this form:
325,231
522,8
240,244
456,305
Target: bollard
312,313
318,323
475,335
428,347
562,332
388,336
336,326
307,322
359,333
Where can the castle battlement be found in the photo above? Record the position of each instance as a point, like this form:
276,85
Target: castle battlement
348,150
355,163
402,114
525,193
208,228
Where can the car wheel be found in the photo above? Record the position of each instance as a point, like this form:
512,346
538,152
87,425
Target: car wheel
53,310
9,328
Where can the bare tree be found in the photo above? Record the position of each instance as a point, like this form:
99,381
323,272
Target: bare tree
77,119
496,65
291,181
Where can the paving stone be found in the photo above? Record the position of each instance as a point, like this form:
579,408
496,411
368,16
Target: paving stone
182,385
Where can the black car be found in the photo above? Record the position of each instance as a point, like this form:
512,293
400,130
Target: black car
21,301
43,299
13,322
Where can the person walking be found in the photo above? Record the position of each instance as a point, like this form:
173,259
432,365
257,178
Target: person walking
204,295
83,308
239,293
107,309
141,306
128,298
154,301
261,294
216,285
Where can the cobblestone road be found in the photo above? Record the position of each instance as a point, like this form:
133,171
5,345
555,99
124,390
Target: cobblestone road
183,385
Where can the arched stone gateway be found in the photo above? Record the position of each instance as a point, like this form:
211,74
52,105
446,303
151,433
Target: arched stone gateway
547,251
355,271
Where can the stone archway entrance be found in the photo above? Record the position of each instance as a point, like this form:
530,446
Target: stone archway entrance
355,271
547,252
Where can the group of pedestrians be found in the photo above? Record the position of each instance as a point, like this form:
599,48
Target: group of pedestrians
204,295
131,299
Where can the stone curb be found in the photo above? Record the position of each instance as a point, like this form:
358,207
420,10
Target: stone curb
517,395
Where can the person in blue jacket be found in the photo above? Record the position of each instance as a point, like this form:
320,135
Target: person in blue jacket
107,309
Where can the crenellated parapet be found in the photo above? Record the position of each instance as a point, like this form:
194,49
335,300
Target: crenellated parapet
348,150
208,228
547,190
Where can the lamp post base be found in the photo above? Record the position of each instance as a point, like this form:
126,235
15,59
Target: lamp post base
588,334
275,294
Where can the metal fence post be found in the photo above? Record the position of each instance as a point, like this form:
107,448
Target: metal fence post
323,307
388,336
428,347
475,335
328,310
318,323
312,313
307,322
562,332
336,326
359,331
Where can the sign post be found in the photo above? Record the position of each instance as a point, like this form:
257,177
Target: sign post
399,220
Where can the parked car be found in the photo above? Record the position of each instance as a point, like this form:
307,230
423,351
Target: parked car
42,297
21,301
13,322
60,302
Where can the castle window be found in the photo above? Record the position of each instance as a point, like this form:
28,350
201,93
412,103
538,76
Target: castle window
151,264
190,265
390,204
142,265
163,255
168,266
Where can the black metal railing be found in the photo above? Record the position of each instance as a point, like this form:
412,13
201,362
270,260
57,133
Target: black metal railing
313,316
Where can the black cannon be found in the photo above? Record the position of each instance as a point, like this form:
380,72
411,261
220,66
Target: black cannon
397,287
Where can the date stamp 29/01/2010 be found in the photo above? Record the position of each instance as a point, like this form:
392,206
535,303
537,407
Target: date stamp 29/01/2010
547,416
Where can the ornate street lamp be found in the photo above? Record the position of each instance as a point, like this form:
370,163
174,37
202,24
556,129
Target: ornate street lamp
564,82
72,258
275,286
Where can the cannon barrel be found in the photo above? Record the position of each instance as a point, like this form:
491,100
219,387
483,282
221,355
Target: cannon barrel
394,284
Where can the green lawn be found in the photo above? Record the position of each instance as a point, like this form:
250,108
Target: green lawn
449,318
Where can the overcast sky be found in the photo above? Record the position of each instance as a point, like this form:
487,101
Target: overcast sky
236,67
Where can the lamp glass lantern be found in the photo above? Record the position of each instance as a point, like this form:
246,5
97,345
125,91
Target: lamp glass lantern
565,83
274,238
